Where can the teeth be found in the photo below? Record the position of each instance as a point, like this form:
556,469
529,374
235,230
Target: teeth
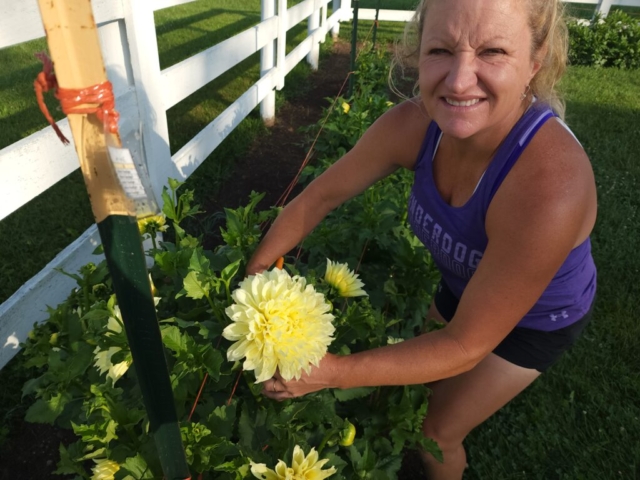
468,103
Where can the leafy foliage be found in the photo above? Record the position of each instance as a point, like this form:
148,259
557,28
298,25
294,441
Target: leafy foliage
611,41
232,423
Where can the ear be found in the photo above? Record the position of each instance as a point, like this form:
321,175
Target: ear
538,60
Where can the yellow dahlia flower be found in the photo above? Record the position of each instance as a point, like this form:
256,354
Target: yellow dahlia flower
346,107
103,363
344,280
302,468
151,225
279,322
105,469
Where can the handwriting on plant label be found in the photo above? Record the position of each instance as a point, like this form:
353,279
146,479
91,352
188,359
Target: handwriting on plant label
127,173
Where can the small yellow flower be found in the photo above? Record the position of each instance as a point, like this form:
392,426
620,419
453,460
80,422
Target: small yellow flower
103,363
279,322
105,469
344,280
346,107
114,324
151,225
302,468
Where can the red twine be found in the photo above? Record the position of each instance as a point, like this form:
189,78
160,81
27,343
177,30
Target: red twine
100,95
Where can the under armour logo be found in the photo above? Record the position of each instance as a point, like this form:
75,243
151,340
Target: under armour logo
562,314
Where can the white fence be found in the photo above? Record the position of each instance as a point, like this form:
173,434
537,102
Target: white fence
144,91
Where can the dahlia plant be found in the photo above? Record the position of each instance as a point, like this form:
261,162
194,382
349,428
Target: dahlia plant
285,320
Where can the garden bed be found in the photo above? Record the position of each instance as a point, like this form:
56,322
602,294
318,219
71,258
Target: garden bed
271,164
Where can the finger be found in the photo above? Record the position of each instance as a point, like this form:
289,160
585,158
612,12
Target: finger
279,396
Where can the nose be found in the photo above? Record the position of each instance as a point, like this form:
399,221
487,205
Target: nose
462,74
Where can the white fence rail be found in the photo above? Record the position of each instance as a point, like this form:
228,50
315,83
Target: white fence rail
144,91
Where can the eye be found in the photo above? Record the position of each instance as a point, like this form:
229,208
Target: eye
438,51
493,51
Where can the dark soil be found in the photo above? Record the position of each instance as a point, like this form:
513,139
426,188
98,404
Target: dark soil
272,162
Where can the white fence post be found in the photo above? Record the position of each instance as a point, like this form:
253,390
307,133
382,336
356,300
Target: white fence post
603,7
145,64
282,43
323,20
313,57
267,62
335,31
347,13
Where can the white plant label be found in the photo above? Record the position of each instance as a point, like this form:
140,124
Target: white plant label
127,173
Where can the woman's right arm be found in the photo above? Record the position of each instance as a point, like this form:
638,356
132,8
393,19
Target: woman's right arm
393,141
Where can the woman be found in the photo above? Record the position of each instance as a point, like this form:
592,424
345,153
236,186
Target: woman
504,198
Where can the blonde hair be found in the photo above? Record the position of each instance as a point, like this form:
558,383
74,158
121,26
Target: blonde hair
549,35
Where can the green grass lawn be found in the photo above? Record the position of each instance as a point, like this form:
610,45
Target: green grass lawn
581,420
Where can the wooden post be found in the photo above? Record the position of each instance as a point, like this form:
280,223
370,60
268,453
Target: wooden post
313,57
75,49
267,62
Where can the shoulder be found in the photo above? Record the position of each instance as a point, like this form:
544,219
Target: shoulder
551,186
400,132
554,165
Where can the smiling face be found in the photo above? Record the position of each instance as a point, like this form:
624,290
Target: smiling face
475,63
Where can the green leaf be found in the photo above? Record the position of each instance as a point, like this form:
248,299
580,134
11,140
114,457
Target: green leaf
168,208
136,467
230,271
212,361
194,287
222,420
351,393
199,262
77,363
69,463
46,411
173,339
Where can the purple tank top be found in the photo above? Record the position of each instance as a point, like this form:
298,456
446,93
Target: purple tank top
456,236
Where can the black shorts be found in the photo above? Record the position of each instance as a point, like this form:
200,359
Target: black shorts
524,347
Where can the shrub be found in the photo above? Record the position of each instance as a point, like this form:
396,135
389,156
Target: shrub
612,41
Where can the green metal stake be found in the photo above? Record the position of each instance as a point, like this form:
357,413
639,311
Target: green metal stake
126,261
73,41
375,26
354,44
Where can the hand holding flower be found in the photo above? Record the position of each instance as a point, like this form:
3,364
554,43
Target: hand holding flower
320,377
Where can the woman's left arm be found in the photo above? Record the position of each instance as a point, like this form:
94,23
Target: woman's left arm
544,208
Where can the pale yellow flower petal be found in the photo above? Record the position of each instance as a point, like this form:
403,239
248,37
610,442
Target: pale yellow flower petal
278,323
105,469
302,468
103,363
344,280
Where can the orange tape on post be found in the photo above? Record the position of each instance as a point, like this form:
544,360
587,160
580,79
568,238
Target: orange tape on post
71,100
